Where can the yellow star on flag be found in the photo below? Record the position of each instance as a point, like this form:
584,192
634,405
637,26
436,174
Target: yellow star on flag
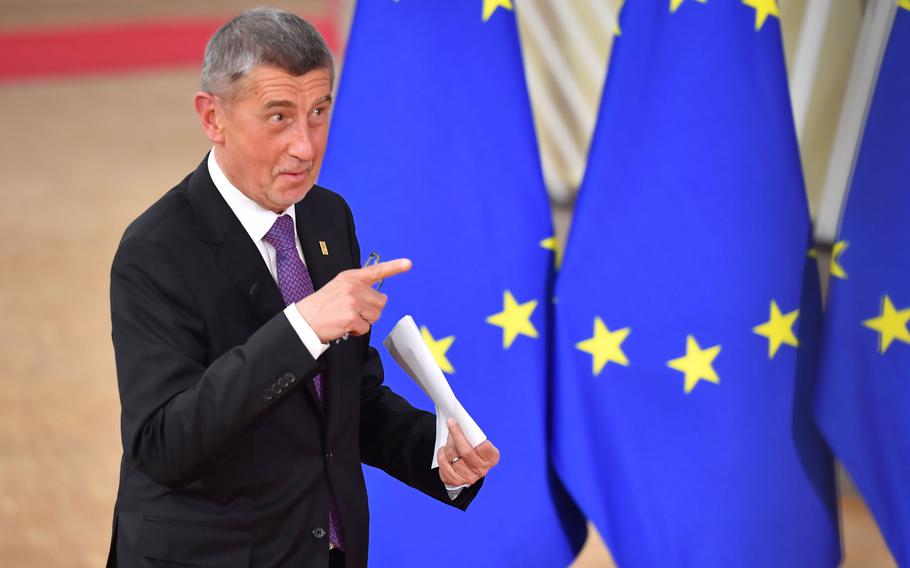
439,347
489,6
891,325
836,251
905,4
778,329
834,267
696,364
763,9
605,346
514,319
551,244
675,4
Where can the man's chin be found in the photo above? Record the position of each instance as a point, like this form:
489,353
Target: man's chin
288,194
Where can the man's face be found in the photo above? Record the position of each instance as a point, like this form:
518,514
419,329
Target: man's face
274,128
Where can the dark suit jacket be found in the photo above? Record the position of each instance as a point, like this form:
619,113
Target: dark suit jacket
228,458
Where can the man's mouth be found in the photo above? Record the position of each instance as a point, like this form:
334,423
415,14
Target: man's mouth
296,175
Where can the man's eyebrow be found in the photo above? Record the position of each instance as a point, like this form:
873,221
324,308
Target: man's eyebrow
278,104
325,99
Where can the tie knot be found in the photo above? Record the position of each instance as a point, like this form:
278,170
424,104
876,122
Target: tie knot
281,235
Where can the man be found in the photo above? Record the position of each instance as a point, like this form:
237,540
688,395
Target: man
250,394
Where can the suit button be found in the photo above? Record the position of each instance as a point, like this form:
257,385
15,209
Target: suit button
287,379
268,394
319,532
329,456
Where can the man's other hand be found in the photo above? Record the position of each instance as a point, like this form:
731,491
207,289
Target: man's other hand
348,303
462,464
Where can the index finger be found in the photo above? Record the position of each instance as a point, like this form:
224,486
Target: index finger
380,271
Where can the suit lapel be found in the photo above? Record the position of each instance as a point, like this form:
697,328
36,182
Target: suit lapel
311,230
313,226
241,261
236,254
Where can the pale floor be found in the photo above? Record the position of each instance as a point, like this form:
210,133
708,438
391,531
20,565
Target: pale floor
78,160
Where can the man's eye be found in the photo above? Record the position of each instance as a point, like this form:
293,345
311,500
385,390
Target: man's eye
277,117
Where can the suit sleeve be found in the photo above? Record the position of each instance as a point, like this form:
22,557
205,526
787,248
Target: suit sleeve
395,436
180,414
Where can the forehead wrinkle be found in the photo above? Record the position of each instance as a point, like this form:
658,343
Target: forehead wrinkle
269,77
287,92
265,83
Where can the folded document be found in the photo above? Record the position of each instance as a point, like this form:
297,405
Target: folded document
407,347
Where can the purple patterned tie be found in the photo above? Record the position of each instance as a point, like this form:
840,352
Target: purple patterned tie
295,284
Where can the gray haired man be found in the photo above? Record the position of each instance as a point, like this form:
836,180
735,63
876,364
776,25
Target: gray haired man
244,419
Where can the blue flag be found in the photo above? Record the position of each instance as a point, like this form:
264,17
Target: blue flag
432,144
863,403
687,307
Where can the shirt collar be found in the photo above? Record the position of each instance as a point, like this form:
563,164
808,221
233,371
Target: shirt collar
256,219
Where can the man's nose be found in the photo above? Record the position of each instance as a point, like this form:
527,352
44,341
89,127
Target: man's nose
302,144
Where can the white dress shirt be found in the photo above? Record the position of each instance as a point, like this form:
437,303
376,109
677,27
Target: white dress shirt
257,220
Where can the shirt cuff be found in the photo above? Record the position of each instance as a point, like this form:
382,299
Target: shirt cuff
454,491
305,332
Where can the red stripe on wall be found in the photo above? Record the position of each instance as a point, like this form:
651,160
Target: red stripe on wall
49,52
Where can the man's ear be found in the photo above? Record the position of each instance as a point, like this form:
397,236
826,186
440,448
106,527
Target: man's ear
212,116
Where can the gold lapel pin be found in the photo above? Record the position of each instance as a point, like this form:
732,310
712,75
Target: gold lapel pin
324,248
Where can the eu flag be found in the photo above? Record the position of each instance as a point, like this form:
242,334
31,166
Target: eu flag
687,307
863,402
433,145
